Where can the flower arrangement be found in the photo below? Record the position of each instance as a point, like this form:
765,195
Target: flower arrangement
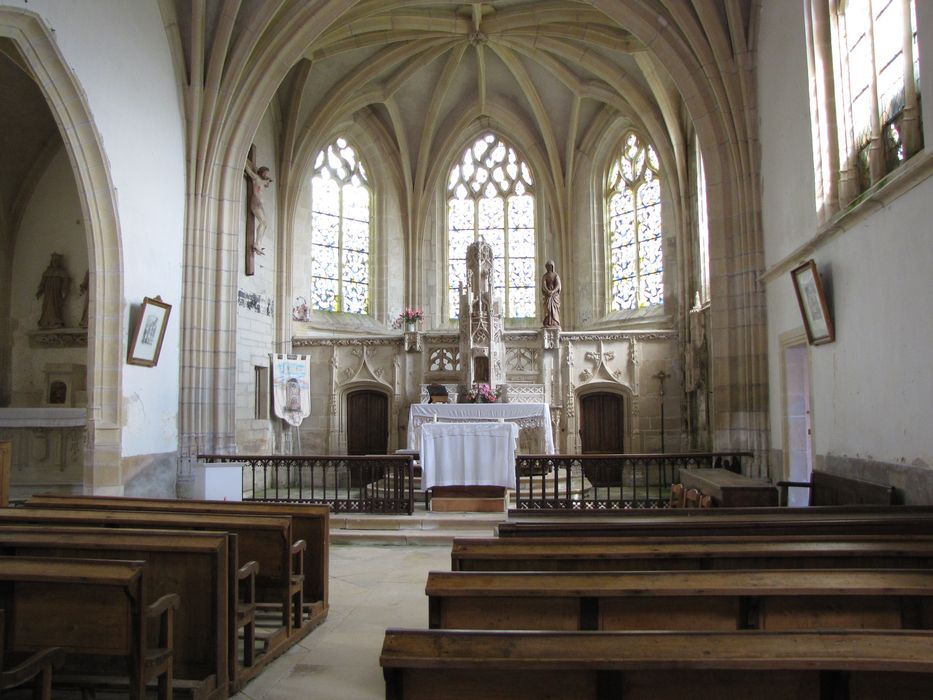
484,393
480,393
408,316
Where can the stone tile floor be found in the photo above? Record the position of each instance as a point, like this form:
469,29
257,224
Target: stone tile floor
371,588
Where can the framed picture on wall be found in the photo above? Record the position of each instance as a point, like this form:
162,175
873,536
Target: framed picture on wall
146,343
812,301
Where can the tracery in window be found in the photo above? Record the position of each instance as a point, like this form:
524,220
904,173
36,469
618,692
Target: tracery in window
879,75
340,231
490,194
633,198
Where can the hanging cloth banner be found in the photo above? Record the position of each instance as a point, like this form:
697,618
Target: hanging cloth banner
291,387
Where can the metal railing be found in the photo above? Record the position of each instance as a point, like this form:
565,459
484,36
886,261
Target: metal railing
347,483
597,482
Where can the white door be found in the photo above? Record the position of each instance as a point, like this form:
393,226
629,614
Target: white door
798,426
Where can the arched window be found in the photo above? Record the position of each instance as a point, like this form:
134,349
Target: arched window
636,262
340,231
879,73
702,230
490,194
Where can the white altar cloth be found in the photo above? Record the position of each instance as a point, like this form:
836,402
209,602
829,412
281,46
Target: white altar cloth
468,454
535,416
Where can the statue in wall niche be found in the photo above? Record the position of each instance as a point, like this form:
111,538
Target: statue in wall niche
53,290
83,291
550,290
259,181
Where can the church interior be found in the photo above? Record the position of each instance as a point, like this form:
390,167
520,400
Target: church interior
240,231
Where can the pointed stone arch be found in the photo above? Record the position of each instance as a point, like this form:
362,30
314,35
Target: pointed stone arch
66,100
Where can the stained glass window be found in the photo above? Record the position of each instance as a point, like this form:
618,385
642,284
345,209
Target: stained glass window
490,194
340,231
702,230
636,261
879,66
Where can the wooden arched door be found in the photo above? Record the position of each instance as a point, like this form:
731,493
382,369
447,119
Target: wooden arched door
602,423
367,423
602,430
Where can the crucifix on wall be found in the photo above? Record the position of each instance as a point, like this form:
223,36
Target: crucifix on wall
257,180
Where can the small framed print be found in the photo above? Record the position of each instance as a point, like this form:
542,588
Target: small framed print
148,333
812,301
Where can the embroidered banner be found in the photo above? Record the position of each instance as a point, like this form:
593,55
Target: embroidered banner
291,387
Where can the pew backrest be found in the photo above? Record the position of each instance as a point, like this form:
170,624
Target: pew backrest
419,664
680,600
607,554
192,564
310,522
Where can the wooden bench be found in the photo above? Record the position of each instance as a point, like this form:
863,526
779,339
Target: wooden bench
682,600
35,669
193,565
310,522
602,554
95,611
267,540
430,664
894,520
828,489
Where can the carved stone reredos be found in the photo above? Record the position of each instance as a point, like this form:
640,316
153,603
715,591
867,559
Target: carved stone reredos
481,320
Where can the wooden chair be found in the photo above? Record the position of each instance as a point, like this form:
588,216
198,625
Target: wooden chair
706,501
677,495
36,668
691,498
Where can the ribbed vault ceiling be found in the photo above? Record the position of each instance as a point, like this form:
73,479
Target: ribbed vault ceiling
558,71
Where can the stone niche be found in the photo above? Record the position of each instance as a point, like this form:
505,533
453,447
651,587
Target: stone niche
65,385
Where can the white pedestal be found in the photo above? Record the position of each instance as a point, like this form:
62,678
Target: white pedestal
218,482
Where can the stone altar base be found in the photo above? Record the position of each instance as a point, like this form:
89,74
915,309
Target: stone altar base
469,499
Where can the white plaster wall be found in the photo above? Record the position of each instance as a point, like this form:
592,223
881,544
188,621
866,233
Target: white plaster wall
120,56
872,388
52,222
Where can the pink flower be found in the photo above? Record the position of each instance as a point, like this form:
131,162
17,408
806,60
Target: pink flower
408,315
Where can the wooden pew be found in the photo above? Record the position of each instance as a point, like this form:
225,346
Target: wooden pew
430,664
267,540
310,522
606,554
193,565
95,610
895,520
682,600
828,489
35,669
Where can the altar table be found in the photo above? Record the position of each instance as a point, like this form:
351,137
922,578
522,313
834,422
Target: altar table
527,416
468,454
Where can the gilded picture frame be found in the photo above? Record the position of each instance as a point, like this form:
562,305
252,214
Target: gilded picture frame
812,301
148,333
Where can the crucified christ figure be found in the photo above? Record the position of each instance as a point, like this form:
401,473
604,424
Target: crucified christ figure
259,181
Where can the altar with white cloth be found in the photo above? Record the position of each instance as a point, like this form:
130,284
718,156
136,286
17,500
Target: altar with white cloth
533,419
468,454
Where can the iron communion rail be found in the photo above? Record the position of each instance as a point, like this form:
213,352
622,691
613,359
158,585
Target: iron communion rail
347,483
601,482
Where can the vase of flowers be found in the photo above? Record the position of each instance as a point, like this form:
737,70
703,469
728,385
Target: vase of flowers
484,394
408,318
